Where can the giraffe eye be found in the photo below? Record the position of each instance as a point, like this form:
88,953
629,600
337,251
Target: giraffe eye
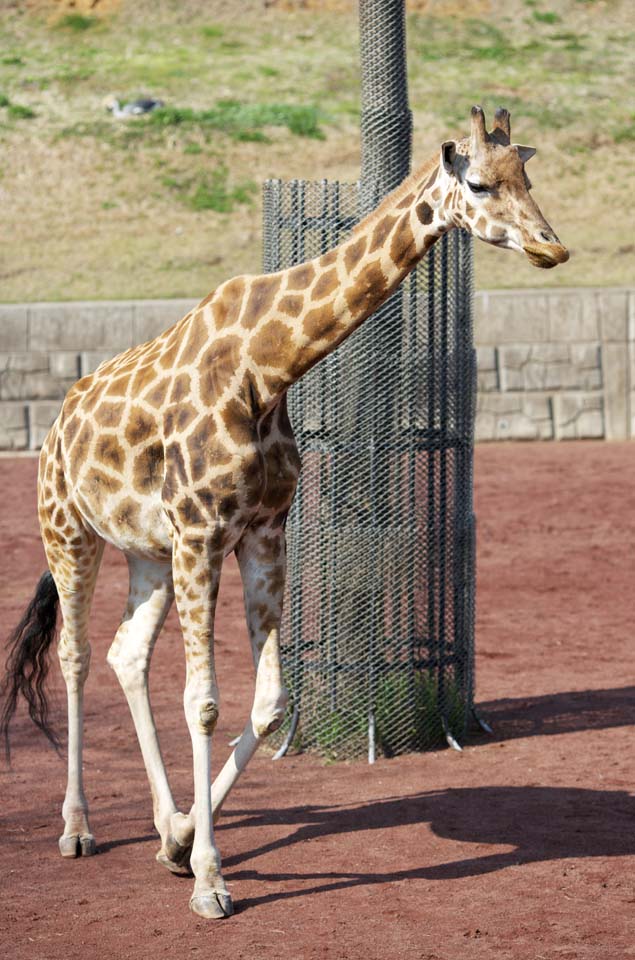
477,187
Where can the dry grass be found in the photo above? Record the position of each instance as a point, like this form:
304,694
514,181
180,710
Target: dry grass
96,208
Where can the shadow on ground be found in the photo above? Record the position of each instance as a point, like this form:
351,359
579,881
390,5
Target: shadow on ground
551,714
537,823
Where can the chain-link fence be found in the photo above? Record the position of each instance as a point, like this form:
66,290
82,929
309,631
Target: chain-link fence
377,639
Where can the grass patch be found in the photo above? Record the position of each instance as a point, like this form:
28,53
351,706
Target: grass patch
76,22
408,708
212,32
547,16
243,120
19,112
16,111
625,133
212,191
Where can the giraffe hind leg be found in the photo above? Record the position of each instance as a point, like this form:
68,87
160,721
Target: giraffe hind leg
149,600
74,557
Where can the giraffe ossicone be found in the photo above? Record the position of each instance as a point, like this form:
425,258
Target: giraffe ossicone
180,451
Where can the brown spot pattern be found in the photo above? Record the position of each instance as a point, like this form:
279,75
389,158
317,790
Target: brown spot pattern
354,253
272,346
403,251
140,427
175,472
260,301
381,232
292,305
178,418
369,290
238,423
325,285
424,212
147,471
407,201
195,341
126,514
227,303
299,278
109,414
217,368
109,451
101,484
118,387
322,323
181,387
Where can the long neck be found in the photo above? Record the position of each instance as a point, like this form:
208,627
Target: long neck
313,307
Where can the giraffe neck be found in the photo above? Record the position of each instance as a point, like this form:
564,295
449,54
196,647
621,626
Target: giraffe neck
313,307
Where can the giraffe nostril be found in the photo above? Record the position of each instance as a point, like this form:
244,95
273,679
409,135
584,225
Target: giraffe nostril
548,237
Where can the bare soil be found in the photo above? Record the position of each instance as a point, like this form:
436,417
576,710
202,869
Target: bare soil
520,847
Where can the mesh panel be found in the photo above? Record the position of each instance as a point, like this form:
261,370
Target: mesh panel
377,636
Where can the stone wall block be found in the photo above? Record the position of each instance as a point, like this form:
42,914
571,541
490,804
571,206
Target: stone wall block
487,368
41,417
65,366
152,317
612,310
14,426
512,318
615,376
631,315
513,416
13,328
81,326
27,376
578,416
573,316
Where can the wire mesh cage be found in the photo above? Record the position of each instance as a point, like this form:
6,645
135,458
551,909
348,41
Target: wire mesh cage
377,638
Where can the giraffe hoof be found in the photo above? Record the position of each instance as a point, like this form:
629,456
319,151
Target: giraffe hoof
175,852
77,845
212,906
181,869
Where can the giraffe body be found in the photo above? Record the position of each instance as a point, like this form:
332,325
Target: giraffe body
180,450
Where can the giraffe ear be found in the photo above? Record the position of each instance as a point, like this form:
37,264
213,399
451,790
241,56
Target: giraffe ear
448,155
525,153
453,162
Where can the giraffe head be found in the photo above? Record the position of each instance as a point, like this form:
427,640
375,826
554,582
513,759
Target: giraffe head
487,192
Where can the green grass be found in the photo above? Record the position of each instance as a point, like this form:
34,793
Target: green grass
76,22
18,111
547,16
408,709
212,191
243,120
625,133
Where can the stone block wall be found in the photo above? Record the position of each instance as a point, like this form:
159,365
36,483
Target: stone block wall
555,365
551,365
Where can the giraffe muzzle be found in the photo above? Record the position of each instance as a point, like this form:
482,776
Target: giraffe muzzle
546,255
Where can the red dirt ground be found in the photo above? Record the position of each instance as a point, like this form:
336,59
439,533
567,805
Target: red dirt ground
520,847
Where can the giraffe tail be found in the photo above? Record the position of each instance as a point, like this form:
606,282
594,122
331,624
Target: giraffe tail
27,664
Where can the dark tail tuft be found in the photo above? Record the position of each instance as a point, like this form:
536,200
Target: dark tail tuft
27,664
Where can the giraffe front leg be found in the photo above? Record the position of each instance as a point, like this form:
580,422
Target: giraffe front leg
262,558
196,571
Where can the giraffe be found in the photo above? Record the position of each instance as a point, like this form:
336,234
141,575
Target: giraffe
180,450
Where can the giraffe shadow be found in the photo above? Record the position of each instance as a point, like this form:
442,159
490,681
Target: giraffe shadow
567,712
536,823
